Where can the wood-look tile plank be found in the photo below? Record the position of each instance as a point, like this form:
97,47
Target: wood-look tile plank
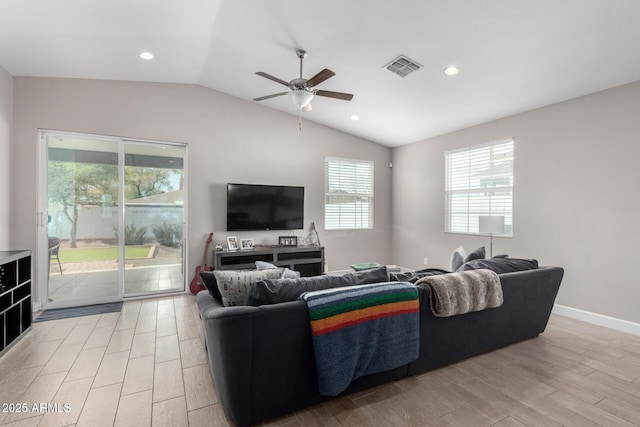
112,369
167,348
28,422
505,403
146,323
188,329
167,380
73,394
100,407
212,416
166,326
199,388
86,364
170,413
143,345
16,382
139,375
134,410
99,337
62,328
108,320
591,412
192,353
509,422
120,341
79,334
62,359
620,410
42,389
127,321
39,353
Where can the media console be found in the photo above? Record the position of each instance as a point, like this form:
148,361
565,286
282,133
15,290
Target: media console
308,260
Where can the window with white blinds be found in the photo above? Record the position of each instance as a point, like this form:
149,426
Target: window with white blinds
479,181
348,200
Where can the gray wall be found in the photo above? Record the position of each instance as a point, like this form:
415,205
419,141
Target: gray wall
576,201
230,140
6,123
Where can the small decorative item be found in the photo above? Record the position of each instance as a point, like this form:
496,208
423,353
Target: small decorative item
246,243
288,241
218,247
232,243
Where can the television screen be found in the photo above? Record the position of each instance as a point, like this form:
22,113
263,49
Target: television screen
264,207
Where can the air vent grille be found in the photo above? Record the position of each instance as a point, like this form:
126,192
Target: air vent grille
403,66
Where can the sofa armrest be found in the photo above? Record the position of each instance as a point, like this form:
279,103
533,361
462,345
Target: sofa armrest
256,355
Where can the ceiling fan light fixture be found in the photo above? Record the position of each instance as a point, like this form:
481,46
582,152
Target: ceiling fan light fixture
301,98
146,55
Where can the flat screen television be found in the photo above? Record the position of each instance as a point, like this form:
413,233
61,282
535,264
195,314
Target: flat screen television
264,207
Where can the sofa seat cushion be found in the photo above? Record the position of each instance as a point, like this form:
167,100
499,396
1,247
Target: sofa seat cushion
271,291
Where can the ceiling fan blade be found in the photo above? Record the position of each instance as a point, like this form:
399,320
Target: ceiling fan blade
262,98
336,95
320,77
270,77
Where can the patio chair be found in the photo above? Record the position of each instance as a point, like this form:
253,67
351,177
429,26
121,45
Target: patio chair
54,248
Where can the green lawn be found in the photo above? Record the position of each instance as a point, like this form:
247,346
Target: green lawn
102,254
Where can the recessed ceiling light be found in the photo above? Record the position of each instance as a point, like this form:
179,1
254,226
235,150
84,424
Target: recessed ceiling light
451,71
355,118
146,55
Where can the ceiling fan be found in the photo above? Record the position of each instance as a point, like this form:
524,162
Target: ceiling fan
301,89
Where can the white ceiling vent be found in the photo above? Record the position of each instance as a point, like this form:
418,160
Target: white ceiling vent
403,66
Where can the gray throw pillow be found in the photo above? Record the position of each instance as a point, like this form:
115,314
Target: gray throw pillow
288,274
276,291
234,284
457,258
479,253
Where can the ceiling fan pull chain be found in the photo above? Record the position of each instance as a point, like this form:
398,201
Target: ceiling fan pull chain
300,121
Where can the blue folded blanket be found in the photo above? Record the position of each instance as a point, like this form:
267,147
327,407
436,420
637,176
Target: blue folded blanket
360,330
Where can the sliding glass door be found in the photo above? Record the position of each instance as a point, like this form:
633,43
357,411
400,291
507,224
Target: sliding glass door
154,217
115,218
82,220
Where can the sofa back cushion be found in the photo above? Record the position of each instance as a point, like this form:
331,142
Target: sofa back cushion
283,290
501,265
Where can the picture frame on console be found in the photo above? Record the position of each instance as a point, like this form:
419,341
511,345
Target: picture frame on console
246,244
232,243
288,240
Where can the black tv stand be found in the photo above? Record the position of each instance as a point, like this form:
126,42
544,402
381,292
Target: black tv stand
308,260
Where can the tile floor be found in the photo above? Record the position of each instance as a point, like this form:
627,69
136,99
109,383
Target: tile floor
86,284
144,366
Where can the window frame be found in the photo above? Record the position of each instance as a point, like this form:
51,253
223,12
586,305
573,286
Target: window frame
370,196
508,213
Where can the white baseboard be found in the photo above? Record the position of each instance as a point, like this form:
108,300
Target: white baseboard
597,319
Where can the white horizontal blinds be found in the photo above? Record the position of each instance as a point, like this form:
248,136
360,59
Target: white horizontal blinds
479,181
348,194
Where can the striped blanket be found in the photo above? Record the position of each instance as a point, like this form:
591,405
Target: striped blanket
360,330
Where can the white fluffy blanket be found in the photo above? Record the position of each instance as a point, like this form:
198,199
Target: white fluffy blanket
463,292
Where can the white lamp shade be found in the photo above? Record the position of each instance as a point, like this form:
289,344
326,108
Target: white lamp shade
301,97
491,224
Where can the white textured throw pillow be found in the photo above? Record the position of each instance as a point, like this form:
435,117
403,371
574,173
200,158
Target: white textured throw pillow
234,284
457,258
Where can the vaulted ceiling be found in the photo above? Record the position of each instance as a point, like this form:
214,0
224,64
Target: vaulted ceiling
513,55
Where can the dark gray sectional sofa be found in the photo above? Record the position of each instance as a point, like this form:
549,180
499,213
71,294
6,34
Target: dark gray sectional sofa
262,357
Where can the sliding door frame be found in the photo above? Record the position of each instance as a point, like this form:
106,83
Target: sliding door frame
41,257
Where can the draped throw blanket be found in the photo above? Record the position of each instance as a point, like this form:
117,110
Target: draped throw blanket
360,330
463,292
